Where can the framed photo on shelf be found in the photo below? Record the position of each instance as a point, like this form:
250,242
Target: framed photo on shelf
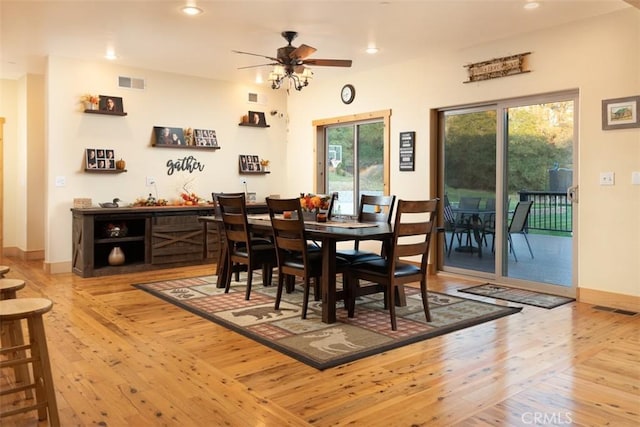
110,104
205,138
100,159
257,118
168,137
620,113
250,163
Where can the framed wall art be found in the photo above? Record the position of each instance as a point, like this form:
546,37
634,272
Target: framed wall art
250,164
620,113
168,137
100,159
205,138
110,104
257,118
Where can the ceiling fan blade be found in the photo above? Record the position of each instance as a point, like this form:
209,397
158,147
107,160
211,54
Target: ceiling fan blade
328,62
259,65
302,52
256,54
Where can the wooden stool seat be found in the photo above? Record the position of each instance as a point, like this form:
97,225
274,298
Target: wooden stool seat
12,312
8,288
4,270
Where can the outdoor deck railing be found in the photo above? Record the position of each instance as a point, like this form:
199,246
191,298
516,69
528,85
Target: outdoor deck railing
551,211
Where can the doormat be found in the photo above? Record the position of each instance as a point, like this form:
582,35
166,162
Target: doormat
311,341
522,296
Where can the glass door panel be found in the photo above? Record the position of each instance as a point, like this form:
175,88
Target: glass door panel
470,189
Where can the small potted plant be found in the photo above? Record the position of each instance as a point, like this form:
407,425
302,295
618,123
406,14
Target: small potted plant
265,164
90,101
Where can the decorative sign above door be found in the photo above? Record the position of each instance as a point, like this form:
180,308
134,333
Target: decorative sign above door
498,67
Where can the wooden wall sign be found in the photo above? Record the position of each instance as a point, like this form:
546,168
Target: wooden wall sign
498,67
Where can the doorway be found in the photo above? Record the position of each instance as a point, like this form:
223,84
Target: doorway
506,173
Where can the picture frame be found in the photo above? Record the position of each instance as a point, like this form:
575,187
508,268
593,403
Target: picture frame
100,159
205,138
249,163
110,104
257,118
621,113
168,137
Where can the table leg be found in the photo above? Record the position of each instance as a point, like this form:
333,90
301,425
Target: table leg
328,281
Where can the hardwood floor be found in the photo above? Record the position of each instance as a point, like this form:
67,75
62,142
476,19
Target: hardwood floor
121,357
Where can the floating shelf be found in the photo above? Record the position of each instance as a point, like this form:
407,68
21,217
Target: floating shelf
253,125
254,173
105,170
106,113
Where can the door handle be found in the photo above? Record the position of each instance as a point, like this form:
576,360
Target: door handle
572,194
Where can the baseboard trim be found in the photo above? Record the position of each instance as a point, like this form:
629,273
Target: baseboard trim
57,267
609,299
23,255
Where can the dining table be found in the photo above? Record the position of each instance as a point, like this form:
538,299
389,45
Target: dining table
472,219
327,234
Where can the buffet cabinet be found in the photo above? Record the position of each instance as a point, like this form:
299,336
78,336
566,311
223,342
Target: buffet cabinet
148,238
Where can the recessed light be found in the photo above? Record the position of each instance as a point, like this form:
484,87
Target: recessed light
530,5
192,10
371,50
110,55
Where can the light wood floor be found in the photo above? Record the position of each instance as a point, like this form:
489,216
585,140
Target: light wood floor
121,357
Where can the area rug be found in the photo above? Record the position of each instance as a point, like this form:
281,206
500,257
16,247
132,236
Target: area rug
315,343
522,296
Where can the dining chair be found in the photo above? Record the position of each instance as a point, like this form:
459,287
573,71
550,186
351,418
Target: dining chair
372,209
415,222
241,248
295,259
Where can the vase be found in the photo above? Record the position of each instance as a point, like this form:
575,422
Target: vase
116,256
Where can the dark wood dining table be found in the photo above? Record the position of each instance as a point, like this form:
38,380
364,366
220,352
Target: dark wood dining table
327,234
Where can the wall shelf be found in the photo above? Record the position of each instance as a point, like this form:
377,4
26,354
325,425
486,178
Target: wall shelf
253,125
105,170
254,173
105,113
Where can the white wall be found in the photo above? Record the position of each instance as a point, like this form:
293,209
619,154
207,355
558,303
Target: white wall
600,57
168,100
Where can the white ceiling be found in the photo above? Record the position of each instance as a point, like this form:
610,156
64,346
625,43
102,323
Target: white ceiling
154,34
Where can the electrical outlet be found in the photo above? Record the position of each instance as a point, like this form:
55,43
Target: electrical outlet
150,181
607,178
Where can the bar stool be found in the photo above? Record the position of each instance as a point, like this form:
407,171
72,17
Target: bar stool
4,270
8,290
13,311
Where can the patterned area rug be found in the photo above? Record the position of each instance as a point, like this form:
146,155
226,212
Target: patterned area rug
315,343
537,299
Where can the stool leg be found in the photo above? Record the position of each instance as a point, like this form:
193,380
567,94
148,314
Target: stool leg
12,337
42,371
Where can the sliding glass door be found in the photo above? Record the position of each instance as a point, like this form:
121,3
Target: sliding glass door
507,182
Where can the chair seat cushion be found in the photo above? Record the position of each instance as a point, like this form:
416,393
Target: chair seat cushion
259,250
354,256
380,266
315,262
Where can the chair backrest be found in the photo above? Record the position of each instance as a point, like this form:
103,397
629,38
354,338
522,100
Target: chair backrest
214,197
234,219
469,203
288,233
448,213
520,215
414,224
376,208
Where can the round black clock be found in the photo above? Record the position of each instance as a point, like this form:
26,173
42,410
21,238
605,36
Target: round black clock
347,94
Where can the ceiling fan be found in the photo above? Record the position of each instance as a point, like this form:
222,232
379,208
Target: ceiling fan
291,62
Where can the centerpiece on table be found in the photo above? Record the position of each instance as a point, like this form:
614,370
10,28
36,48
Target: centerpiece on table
314,206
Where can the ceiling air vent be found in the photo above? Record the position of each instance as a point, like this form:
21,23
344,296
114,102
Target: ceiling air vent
130,82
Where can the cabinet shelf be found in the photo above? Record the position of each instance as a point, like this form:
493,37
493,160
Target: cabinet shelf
253,125
106,113
111,240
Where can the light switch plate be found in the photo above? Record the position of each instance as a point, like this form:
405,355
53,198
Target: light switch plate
607,178
61,181
635,178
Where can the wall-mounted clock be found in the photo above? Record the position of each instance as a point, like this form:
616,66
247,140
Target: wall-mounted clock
347,94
